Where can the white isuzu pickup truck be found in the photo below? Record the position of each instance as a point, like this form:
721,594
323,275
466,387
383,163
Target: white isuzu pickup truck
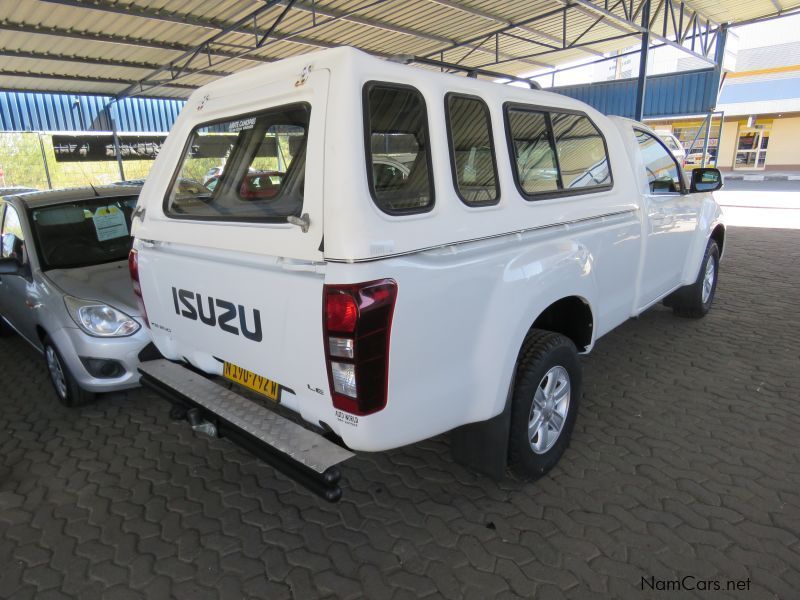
384,253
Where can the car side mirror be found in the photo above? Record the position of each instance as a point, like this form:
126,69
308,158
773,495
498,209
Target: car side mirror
706,180
10,266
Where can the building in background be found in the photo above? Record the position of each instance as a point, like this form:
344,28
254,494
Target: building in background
758,106
756,125
761,104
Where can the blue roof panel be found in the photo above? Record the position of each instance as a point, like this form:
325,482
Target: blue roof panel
34,111
673,94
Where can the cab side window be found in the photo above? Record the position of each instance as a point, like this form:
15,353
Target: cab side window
13,245
556,152
582,157
533,151
663,174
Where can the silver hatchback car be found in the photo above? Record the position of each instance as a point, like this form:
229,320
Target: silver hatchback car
65,286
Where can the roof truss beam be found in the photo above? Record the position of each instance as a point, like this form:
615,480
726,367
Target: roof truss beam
507,25
186,19
88,36
103,62
183,62
392,28
705,46
241,28
84,78
501,31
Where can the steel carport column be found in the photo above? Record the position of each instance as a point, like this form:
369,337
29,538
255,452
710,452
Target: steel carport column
719,56
115,137
642,83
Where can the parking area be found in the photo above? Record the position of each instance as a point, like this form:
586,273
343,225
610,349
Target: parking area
685,461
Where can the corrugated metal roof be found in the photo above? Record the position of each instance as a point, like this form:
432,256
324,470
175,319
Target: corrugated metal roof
110,46
28,111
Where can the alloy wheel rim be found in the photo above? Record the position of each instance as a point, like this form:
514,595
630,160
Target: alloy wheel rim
56,372
549,410
708,279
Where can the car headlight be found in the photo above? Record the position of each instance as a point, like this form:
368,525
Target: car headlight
99,319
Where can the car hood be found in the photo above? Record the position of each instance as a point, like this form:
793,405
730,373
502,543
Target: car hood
109,283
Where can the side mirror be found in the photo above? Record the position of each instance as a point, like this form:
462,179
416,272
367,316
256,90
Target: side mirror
706,180
10,266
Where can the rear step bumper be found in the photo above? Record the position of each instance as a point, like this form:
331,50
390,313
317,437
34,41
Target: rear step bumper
297,452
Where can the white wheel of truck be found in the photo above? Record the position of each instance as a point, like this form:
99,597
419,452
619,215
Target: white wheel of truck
544,403
709,279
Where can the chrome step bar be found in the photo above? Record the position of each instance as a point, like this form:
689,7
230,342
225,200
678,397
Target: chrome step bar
299,453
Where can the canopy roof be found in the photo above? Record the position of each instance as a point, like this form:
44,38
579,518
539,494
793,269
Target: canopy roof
170,47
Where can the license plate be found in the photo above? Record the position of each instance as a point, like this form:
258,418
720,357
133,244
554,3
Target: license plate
257,383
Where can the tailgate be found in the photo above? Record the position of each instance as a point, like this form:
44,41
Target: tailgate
263,314
229,242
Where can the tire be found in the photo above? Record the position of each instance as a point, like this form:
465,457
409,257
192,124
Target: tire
546,359
67,390
694,301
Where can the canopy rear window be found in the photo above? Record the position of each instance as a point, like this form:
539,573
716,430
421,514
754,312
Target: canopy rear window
246,168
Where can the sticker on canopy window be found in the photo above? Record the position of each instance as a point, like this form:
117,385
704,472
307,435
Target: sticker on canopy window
109,222
242,125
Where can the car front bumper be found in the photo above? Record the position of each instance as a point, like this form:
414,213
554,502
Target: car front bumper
78,348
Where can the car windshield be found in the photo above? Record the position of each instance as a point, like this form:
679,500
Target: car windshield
84,232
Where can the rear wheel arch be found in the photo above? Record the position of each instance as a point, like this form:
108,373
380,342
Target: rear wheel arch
570,316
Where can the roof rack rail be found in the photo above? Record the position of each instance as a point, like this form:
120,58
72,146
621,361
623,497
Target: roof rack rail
472,72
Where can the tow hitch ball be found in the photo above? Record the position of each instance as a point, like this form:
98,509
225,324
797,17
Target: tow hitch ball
199,424
196,421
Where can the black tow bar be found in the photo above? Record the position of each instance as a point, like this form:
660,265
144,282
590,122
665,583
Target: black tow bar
325,484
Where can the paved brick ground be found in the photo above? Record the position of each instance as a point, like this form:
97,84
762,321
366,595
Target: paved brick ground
685,461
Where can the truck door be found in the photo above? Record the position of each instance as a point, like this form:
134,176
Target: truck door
670,220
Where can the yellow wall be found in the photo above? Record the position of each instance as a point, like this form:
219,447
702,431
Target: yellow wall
784,143
730,130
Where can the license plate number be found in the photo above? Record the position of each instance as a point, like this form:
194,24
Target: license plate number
257,383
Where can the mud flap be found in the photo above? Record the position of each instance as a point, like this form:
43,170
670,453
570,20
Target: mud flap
483,446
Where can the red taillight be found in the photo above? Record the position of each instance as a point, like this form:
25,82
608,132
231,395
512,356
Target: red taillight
341,312
133,267
357,321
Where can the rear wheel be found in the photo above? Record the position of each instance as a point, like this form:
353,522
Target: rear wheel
695,300
544,407
67,390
